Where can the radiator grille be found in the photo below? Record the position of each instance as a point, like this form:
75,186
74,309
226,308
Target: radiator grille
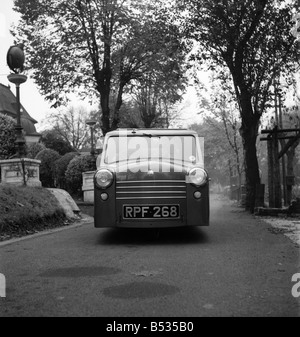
149,189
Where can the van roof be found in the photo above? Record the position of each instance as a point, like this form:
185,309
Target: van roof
150,132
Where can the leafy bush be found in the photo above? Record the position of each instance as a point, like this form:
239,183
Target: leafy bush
76,167
7,136
33,149
47,167
61,166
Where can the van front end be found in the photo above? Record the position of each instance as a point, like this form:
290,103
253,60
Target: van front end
150,200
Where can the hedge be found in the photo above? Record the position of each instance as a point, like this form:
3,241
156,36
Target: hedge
7,136
61,166
47,168
76,167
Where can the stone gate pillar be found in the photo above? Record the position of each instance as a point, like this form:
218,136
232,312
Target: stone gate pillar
21,172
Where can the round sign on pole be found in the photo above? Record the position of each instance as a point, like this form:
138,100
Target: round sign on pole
15,58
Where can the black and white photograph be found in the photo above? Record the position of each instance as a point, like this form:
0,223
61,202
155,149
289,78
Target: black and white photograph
150,162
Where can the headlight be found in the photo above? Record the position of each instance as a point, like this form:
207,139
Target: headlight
104,178
197,176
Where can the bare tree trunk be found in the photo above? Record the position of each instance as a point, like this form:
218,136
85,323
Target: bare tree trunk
103,86
251,170
249,131
116,119
105,120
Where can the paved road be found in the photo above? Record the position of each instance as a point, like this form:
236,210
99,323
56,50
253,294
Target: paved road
236,267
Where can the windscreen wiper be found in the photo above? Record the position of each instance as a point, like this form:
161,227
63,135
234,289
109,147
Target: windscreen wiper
150,135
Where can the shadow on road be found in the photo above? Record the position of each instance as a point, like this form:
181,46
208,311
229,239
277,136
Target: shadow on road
152,236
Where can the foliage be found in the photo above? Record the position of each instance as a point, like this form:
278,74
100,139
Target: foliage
252,40
130,116
97,47
74,171
24,210
158,83
52,139
33,149
154,96
61,166
47,167
7,136
135,114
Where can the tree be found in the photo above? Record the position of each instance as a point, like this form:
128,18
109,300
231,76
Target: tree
160,82
252,40
54,141
93,46
33,149
70,125
220,111
152,59
154,97
130,115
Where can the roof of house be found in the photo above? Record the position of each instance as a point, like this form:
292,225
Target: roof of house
8,106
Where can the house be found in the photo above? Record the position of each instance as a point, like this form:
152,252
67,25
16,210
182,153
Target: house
8,106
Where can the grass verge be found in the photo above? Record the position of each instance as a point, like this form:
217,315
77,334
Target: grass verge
26,210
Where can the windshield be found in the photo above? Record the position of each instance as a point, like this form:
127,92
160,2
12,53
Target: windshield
151,147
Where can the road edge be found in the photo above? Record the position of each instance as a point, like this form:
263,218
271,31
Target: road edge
78,223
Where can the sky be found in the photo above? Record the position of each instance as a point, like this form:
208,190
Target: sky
34,102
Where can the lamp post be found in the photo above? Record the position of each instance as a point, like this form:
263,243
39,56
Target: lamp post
18,79
15,60
91,124
12,167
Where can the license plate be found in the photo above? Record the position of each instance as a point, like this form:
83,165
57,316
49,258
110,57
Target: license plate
150,211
